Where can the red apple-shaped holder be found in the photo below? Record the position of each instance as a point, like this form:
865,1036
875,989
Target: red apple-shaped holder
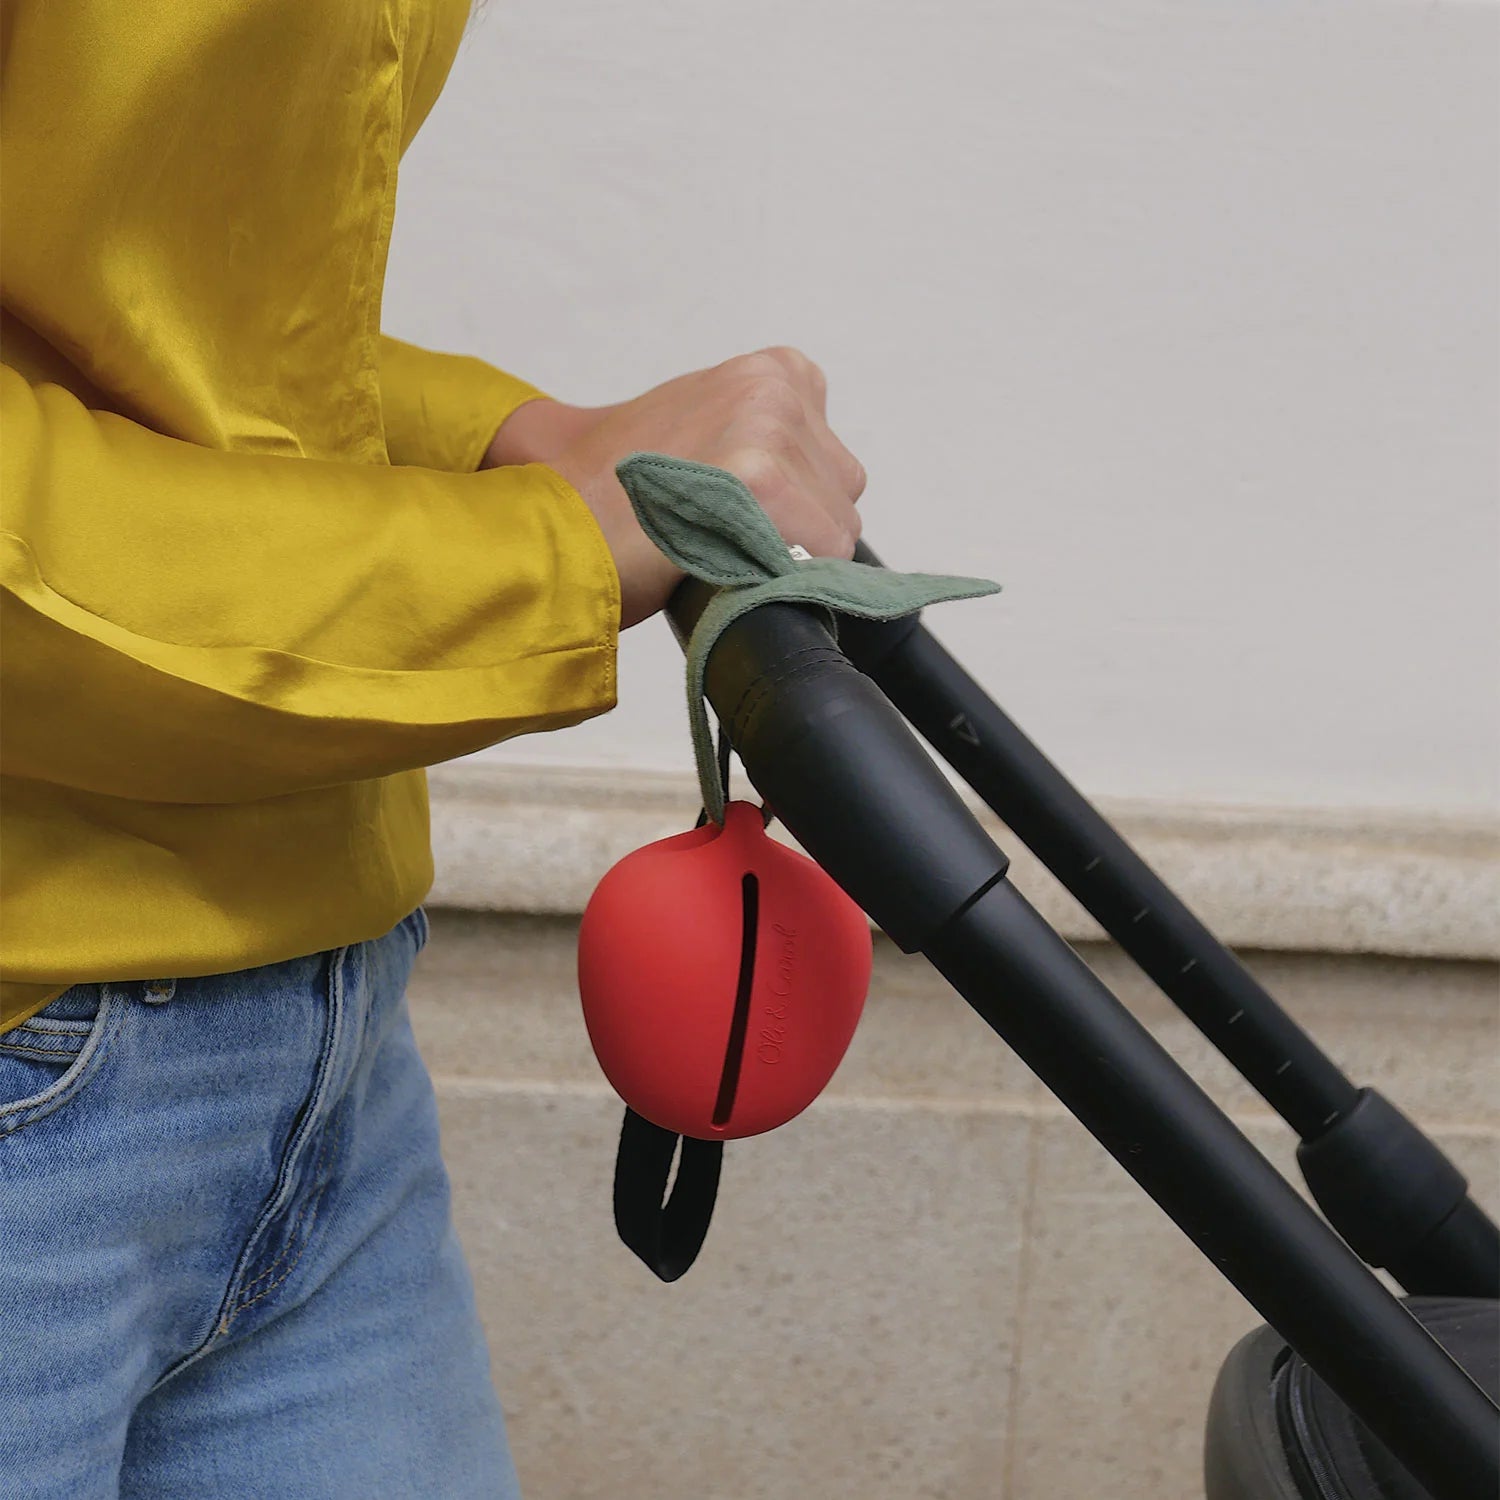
722,976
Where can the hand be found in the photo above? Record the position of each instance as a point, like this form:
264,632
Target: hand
760,416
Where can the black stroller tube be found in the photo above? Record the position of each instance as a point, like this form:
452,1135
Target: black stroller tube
1031,988
1115,885
849,780
1416,1220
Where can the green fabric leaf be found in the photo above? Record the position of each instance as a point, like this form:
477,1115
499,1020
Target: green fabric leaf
713,528
704,519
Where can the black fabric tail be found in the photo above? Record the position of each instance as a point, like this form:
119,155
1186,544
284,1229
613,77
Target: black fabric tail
665,1232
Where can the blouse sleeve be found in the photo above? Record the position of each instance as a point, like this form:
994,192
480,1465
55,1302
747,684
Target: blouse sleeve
185,624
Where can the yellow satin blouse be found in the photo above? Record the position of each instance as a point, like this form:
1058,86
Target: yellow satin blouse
250,582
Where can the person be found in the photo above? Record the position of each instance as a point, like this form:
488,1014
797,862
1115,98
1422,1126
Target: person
261,565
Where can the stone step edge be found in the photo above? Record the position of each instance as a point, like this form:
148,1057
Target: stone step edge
528,839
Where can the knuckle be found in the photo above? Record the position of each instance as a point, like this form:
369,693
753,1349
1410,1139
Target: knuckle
773,431
848,471
760,471
800,367
785,356
763,364
774,398
858,478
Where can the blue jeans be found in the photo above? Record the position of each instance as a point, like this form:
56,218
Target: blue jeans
227,1262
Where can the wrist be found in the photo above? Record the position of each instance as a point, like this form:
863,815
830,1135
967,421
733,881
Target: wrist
647,576
539,430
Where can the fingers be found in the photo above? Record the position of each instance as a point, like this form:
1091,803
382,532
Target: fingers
803,475
804,508
845,469
832,479
782,368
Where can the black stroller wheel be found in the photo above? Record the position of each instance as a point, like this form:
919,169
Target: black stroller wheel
1276,1432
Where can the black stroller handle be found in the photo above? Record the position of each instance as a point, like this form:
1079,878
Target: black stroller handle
842,770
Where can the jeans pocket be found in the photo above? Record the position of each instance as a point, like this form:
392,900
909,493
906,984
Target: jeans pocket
50,1057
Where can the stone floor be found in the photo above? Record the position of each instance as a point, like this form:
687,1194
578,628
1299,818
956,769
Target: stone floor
932,1284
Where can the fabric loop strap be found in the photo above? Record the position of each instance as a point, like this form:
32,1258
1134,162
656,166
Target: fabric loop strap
713,528
666,1232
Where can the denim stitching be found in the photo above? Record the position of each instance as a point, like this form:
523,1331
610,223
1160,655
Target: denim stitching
29,1111
333,1138
55,1025
315,1203
30,1049
311,1202
229,1308
233,1306
330,1137
87,1063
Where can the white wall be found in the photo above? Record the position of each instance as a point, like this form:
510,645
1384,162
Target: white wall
1178,318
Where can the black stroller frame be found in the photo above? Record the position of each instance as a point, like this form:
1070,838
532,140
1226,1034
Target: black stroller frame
821,728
